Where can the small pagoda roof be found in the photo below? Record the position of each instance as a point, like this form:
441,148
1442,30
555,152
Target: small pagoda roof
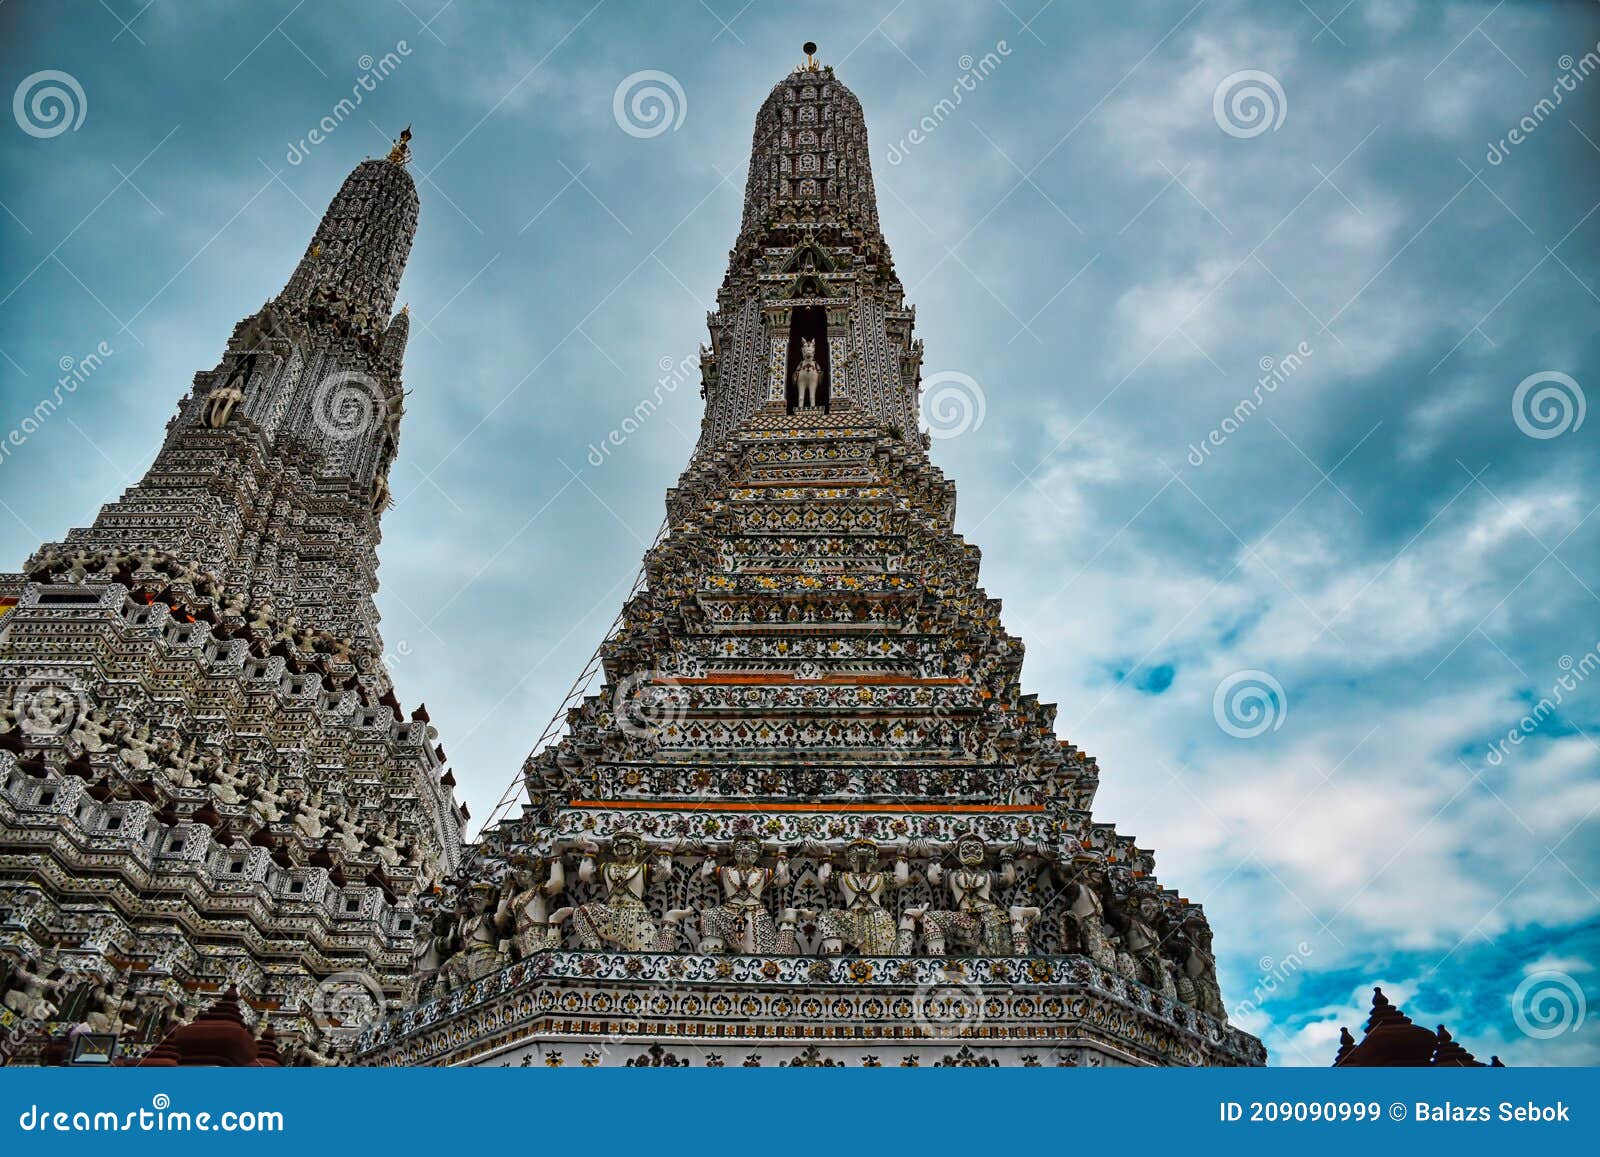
1391,1040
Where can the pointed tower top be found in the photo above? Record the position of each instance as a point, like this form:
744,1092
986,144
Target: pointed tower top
267,1054
401,153
351,271
810,49
1347,1044
809,159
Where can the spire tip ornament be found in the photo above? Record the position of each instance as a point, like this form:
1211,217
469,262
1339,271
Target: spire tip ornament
401,153
810,49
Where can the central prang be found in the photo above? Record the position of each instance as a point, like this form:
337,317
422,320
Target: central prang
812,814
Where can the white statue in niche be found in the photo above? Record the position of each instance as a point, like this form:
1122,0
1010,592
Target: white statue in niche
807,375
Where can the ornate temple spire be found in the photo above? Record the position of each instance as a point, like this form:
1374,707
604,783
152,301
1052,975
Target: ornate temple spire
808,159
214,638
396,336
810,271
810,744
305,408
1391,1040
351,269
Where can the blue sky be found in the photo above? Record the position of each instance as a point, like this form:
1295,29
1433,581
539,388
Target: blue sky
1110,252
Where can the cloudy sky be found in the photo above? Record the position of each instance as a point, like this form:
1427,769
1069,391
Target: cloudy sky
1118,237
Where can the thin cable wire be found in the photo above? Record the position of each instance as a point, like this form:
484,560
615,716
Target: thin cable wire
575,694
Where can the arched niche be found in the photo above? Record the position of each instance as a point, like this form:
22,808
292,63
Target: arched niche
807,323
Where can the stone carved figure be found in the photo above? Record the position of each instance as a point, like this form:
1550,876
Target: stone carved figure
109,565
807,375
1126,965
977,923
1197,981
1166,981
526,908
228,785
864,923
12,737
741,922
265,800
621,920
309,815
1083,926
234,603
110,1001
44,562
265,615
31,993
80,563
223,398
394,410
385,843
1140,940
92,731
430,953
138,749
181,763
476,938
157,1013
317,1049
346,833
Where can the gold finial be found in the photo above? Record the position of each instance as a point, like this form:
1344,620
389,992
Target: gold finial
401,153
406,309
810,49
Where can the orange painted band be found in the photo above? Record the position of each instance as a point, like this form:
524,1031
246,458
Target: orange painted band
784,679
750,806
